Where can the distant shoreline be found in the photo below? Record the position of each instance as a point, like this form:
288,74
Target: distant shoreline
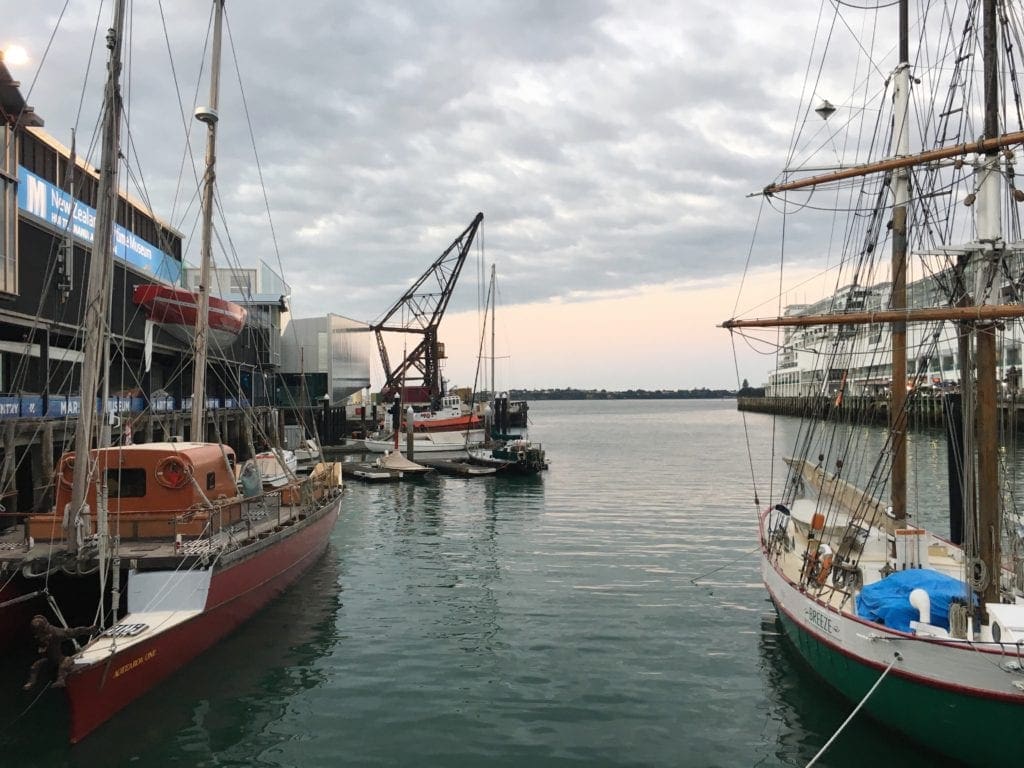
700,393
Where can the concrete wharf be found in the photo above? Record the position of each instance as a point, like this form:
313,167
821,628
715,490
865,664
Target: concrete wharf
924,409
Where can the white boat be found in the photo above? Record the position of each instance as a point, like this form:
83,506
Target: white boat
921,630
276,468
307,453
428,442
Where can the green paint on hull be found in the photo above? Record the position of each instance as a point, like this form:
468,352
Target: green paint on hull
974,730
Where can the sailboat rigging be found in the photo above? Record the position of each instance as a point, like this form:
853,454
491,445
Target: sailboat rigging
926,632
504,451
206,542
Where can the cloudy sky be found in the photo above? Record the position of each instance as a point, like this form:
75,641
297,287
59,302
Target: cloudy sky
610,145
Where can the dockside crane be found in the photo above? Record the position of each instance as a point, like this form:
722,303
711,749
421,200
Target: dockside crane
419,312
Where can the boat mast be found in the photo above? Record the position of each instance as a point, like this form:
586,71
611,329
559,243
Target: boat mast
97,307
898,297
207,115
493,302
989,218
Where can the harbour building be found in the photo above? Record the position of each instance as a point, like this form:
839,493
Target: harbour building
816,361
48,198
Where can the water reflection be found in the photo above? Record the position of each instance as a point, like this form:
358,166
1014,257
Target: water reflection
445,534
803,712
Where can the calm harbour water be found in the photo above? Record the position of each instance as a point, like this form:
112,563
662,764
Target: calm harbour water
607,613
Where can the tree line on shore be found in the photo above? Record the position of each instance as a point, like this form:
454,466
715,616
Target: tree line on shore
572,393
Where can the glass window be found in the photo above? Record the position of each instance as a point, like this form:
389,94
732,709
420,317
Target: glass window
126,483
240,284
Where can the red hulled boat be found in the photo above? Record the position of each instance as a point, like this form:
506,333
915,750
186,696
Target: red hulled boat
205,557
175,309
157,551
448,418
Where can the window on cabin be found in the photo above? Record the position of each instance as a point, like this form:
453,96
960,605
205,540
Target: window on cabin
126,483
211,480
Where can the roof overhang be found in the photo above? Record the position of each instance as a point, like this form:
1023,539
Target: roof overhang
13,109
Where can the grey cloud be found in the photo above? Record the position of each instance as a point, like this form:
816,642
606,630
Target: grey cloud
599,139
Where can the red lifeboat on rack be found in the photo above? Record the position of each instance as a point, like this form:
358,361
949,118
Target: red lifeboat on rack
175,310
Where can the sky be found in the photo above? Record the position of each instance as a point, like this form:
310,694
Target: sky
612,147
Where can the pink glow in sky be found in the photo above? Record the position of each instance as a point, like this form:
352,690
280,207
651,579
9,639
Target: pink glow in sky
657,338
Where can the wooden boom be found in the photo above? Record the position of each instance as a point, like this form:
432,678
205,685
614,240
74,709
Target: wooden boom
981,146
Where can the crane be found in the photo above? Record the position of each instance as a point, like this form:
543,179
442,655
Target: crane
419,312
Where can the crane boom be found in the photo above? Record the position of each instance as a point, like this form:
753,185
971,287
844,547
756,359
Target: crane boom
419,311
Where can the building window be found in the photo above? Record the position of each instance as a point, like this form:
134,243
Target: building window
240,284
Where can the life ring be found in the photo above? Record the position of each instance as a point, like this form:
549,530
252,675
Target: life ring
173,472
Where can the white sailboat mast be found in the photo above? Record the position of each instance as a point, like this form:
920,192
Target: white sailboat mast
494,300
97,306
207,115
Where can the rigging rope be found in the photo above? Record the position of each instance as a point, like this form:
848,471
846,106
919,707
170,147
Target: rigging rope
896,657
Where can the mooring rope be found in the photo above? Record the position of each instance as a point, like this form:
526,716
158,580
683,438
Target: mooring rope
722,567
7,726
896,657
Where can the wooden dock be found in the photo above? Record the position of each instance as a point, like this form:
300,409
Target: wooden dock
369,473
457,467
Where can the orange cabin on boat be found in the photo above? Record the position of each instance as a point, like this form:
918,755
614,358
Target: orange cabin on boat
154,490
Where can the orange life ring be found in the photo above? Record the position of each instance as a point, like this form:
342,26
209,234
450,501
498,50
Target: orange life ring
173,472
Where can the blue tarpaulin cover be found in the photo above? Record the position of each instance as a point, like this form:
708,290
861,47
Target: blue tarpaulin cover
888,601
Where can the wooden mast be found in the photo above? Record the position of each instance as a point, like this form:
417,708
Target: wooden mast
898,294
207,115
989,231
97,306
